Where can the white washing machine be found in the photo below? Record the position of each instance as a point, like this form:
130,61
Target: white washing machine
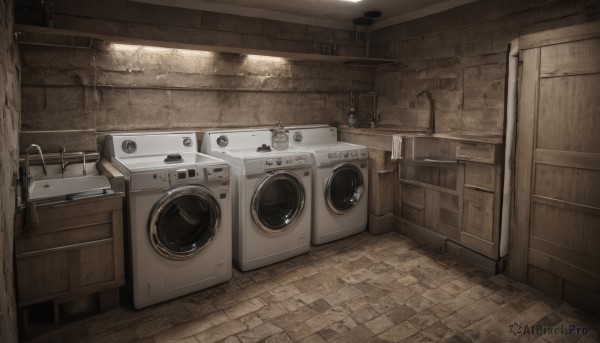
272,196
179,215
340,182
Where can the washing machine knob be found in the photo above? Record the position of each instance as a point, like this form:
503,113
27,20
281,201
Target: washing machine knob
354,153
269,162
346,154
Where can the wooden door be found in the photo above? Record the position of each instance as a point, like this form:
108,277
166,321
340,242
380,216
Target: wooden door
555,241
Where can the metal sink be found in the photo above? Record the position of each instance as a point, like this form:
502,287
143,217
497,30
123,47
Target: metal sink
68,187
374,138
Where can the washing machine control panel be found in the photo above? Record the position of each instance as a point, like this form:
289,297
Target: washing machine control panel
261,165
341,156
347,155
184,176
286,162
169,178
216,173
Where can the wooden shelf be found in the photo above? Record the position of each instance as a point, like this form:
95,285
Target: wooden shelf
40,35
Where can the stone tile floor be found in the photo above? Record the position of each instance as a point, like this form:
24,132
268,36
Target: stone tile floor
365,288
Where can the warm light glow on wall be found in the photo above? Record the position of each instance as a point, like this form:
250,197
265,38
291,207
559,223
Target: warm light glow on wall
188,52
261,58
195,53
124,47
160,50
157,49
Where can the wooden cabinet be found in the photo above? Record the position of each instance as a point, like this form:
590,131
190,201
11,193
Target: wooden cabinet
450,191
481,208
430,197
431,192
75,250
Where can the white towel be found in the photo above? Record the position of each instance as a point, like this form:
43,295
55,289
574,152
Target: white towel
396,147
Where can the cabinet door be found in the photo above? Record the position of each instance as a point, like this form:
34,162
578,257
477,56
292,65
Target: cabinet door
412,203
445,211
97,264
478,222
42,276
434,210
77,249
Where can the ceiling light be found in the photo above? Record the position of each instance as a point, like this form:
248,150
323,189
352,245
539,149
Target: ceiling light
351,0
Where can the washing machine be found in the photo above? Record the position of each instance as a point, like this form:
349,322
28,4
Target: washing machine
178,215
340,182
272,196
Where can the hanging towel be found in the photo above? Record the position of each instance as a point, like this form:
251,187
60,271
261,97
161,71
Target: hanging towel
31,219
396,147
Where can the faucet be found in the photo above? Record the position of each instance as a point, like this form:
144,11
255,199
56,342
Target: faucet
39,151
374,110
63,163
27,178
431,121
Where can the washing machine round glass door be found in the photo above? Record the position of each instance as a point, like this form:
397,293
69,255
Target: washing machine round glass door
183,222
344,188
278,202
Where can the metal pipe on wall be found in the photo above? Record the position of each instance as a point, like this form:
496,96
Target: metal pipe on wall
509,145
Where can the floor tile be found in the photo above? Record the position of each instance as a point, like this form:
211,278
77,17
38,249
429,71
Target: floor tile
364,288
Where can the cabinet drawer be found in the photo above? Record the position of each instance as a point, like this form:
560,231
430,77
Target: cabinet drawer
484,153
480,176
64,238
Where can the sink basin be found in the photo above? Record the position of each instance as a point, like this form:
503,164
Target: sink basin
52,188
374,138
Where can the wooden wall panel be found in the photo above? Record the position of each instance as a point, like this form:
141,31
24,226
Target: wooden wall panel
564,269
584,261
581,57
580,186
567,228
568,114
